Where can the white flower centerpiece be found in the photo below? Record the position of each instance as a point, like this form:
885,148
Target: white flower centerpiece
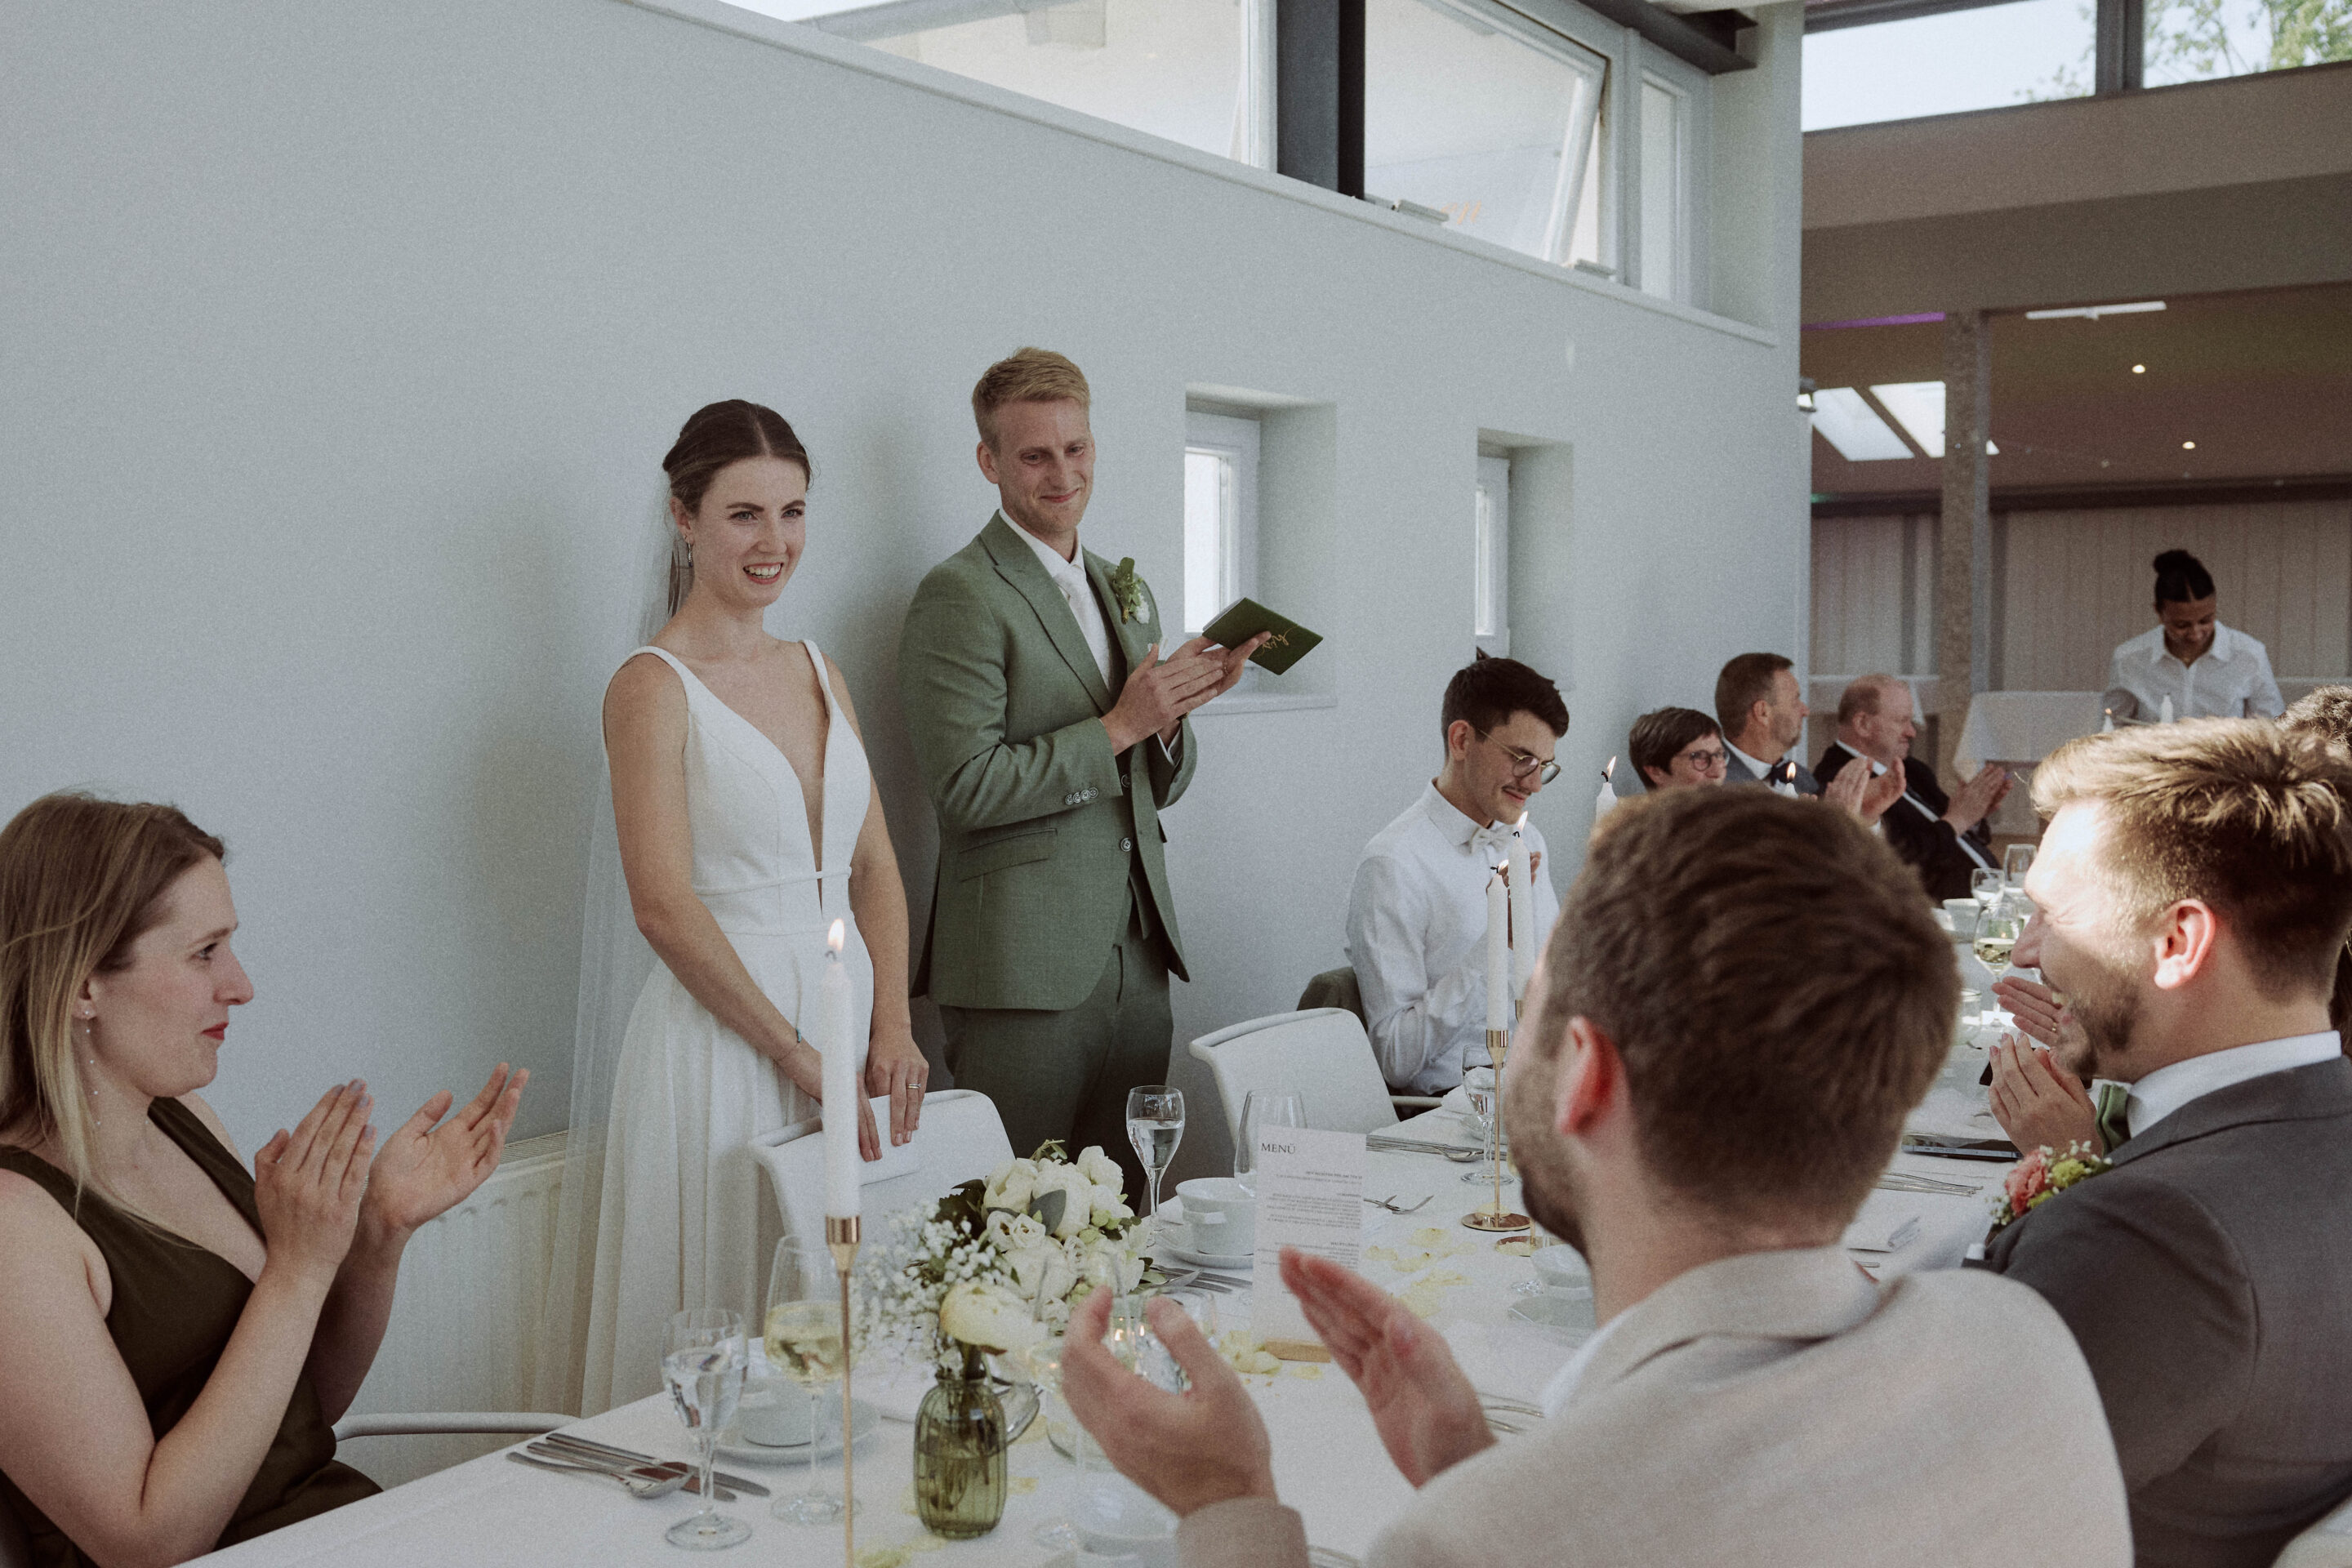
997,1265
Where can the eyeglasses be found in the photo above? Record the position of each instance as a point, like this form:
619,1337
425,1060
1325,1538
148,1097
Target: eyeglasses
1705,762
1523,765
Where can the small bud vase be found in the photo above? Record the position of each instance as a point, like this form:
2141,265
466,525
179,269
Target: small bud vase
960,1464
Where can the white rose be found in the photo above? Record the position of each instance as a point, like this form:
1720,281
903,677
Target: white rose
988,1317
1024,1232
1101,1170
1061,1274
1030,1266
1110,1206
1077,1208
1011,1185
998,1229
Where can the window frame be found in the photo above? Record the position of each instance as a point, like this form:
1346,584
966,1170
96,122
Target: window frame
1239,441
1490,555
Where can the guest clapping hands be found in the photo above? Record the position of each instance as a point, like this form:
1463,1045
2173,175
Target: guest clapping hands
181,1334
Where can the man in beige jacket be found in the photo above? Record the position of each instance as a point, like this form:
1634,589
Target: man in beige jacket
1742,999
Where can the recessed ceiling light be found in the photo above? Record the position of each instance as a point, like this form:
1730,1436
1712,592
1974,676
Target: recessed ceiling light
2139,370
2189,446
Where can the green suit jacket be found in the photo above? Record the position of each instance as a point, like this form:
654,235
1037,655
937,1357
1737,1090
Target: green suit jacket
1041,830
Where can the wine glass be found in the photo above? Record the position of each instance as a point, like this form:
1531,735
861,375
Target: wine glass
703,1365
1996,939
804,1342
1155,1125
1478,1088
1261,1109
1986,884
2015,861
1043,1361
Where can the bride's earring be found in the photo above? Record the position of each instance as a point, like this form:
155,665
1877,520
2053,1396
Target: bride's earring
88,1014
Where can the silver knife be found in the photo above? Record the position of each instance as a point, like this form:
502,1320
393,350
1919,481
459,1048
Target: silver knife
627,1455
677,1470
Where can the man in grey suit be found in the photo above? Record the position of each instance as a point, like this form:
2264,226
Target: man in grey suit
1742,999
1051,734
1762,711
2192,893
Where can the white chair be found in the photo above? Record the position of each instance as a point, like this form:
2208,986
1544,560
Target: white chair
2328,1544
960,1137
1321,1055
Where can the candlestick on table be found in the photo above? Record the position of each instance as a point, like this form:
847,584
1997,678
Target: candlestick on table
1523,910
1498,953
1498,1217
842,1224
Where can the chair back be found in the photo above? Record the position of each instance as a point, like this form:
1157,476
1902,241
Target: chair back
960,1136
1335,988
2328,1544
1321,1055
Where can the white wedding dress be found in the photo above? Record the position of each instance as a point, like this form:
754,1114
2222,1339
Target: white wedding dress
684,1220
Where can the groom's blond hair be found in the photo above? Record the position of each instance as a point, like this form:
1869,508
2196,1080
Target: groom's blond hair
1026,375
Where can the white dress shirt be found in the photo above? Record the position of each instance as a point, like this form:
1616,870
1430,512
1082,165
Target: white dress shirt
1763,770
2230,680
2167,1089
1070,577
1417,939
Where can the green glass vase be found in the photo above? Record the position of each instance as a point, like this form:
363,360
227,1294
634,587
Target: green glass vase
959,1481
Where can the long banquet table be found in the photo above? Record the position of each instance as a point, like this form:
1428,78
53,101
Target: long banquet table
1327,1461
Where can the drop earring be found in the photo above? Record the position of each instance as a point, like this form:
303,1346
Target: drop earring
92,1091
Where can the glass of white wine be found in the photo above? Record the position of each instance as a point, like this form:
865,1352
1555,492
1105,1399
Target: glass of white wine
703,1362
1997,933
803,1335
1155,1126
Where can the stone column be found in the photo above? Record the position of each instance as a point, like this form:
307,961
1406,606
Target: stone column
1964,544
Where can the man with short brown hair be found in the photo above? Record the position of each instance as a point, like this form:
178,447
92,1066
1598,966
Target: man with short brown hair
1762,710
2192,893
1741,1001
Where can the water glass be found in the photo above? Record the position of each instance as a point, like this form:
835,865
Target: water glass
1043,1361
1261,1109
703,1363
1155,1126
2015,862
1478,1088
803,1335
1986,886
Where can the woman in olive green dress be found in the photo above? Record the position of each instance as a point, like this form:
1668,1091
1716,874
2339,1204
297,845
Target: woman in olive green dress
181,1335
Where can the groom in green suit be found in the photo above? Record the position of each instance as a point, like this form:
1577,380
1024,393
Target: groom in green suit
1050,735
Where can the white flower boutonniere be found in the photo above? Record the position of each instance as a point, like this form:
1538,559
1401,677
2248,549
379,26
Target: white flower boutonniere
1127,589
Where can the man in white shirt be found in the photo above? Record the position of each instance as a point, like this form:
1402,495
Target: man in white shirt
1417,912
1762,710
2189,665
2193,894
1751,1397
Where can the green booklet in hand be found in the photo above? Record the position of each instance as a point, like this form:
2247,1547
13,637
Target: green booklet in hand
1245,619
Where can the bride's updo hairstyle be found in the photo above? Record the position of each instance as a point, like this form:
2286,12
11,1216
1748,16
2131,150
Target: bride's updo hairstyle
2180,577
720,433
81,881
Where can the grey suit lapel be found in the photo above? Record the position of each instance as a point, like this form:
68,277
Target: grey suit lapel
2322,1089
1019,566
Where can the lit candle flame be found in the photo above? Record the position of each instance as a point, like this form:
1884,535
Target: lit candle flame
834,938
1610,772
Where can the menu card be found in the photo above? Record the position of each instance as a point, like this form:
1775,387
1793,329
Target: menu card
1310,1196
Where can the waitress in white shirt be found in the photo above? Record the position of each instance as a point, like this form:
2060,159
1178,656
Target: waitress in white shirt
2203,669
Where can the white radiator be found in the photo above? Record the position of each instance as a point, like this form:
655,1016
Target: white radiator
465,1321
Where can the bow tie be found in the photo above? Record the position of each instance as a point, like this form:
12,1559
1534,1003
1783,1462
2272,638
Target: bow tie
1495,839
1782,771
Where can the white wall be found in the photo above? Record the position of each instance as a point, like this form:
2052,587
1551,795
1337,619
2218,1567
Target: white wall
344,341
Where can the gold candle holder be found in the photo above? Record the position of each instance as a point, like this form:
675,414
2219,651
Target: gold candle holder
841,1237
1497,1217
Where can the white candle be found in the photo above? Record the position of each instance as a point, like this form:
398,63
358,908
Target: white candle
1606,802
1498,953
2164,714
1523,910
2108,728
840,1096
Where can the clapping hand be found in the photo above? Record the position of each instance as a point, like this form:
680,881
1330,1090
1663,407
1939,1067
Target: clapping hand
2037,1102
431,1165
1980,797
307,1184
1204,1446
1862,795
1424,1407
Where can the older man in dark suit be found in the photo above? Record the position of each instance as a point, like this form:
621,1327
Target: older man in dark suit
1946,839
2192,891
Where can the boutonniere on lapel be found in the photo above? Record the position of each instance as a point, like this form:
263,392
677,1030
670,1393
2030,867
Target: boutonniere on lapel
1127,589
2042,1176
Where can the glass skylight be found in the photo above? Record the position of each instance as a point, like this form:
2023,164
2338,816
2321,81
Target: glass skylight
1854,426
1919,408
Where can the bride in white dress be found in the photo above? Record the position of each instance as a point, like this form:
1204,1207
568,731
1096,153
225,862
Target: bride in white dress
748,823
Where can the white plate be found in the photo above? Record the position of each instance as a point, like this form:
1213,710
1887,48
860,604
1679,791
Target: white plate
1221,1263
864,1418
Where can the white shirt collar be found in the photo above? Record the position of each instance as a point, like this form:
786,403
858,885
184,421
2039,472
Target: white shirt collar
1762,770
2167,1089
1458,827
1565,1382
1073,568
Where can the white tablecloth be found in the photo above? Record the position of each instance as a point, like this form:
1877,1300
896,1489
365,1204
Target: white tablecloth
1328,1461
2022,726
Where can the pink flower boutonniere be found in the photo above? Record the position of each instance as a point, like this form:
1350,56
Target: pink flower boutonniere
2042,1176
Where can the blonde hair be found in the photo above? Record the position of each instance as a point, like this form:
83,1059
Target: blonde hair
81,881
1026,375
2238,814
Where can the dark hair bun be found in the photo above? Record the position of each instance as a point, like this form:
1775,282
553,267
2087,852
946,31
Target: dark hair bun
2180,577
